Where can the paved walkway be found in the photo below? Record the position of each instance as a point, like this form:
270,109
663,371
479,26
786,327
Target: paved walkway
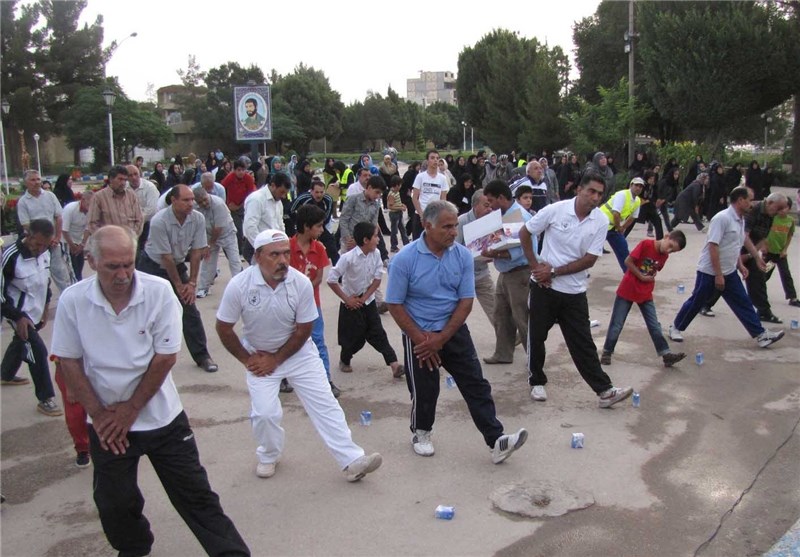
708,465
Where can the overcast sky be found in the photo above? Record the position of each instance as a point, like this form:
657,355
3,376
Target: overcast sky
359,47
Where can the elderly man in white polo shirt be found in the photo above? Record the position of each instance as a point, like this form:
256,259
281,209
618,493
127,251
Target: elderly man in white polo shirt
38,203
75,231
147,194
575,230
117,334
177,233
276,305
221,233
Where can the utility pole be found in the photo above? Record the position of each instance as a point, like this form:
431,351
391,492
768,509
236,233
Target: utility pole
630,35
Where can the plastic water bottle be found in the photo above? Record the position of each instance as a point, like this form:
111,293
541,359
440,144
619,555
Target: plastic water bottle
699,358
681,289
577,441
366,417
635,399
449,381
444,512
795,324
594,323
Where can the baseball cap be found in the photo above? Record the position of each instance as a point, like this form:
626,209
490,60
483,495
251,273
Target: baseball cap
637,180
269,236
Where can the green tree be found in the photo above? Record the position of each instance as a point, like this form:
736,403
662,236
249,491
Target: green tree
496,85
86,124
708,65
306,98
442,124
604,125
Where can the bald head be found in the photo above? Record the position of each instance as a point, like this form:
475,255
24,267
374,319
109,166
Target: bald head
134,176
111,237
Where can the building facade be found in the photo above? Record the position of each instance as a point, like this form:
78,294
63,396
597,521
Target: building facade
432,87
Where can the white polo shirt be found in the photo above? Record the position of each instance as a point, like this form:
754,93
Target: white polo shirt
357,271
74,221
269,317
45,207
117,349
567,239
147,194
430,187
261,212
726,229
168,235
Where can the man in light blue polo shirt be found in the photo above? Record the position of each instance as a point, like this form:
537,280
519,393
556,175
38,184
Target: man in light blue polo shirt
430,294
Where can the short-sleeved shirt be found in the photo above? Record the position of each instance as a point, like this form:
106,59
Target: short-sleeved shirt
310,264
117,349
217,215
261,212
357,271
779,233
167,235
123,210
567,239
726,229
430,287
237,190
357,209
430,187
648,260
147,194
757,222
74,221
45,207
217,189
269,317
517,255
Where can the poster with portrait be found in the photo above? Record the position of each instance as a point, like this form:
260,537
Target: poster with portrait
252,113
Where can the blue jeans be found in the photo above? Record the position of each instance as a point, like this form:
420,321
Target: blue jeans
618,316
396,220
318,336
734,295
619,244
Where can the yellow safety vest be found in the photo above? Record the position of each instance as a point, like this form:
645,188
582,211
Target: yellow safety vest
343,184
628,209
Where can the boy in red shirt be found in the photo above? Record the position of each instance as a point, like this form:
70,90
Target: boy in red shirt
636,286
310,258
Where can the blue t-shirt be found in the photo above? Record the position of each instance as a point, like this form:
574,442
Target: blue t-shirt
430,287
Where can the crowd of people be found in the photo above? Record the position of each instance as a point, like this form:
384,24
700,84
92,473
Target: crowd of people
154,245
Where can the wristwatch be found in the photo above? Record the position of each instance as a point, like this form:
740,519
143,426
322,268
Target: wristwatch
552,272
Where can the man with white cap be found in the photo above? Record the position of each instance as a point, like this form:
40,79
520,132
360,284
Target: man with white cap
276,305
621,211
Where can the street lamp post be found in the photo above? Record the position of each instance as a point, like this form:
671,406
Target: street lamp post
6,107
472,139
38,158
464,125
110,97
767,122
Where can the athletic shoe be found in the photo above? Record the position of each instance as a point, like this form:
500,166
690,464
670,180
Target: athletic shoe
266,469
671,359
675,334
614,395
795,303
422,443
605,359
507,444
399,371
15,381
708,312
770,318
285,386
362,466
345,368
49,407
335,390
650,234
82,460
769,337
538,393
202,293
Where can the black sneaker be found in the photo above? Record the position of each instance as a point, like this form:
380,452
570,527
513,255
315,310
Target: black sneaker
605,359
82,460
286,387
671,358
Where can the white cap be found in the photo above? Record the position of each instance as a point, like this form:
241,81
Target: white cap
637,180
269,236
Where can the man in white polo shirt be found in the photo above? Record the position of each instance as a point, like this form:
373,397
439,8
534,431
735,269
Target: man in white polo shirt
575,230
428,186
221,233
75,231
117,335
263,210
276,305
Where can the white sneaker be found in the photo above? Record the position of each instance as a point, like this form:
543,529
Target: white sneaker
507,444
614,395
538,393
362,466
422,443
675,334
202,293
768,337
266,469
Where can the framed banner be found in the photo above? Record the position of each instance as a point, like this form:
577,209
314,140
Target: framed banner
252,113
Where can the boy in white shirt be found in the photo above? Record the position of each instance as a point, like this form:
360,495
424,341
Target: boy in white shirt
361,270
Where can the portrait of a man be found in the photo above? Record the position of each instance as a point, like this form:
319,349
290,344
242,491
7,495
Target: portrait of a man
252,119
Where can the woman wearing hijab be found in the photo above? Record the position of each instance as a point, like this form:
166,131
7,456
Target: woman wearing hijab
716,200
174,175
387,169
461,195
329,172
303,175
158,177
63,189
754,179
405,191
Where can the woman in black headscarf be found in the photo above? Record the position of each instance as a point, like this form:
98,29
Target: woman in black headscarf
461,194
405,193
63,189
754,179
717,198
